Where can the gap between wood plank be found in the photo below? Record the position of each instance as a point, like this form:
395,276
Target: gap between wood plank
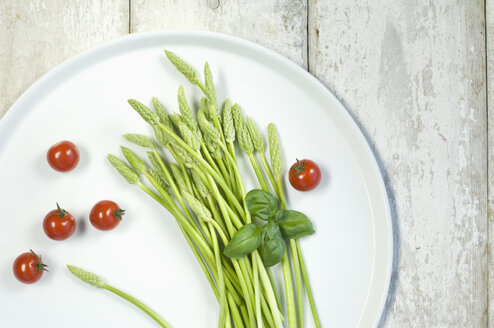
307,51
489,162
486,59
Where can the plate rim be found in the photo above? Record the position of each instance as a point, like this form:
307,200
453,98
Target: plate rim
10,115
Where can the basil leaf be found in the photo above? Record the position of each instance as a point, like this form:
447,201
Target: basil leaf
295,225
274,244
261,204
279,214
245,241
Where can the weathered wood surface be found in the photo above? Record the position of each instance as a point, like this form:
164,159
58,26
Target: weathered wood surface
490,114
37,35
413,75
278,25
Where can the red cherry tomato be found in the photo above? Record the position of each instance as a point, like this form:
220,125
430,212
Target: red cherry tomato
106,215
59,224
28,267
63,156
304,175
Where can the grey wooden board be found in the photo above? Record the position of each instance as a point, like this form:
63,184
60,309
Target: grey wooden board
490,151
413,74
37,35
278,25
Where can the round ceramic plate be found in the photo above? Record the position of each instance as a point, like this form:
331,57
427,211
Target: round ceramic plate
84,100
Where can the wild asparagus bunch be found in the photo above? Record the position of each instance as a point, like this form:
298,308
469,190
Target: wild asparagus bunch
204,191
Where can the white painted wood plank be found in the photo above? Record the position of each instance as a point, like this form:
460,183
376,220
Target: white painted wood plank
413,75
278,25
37,35
490,105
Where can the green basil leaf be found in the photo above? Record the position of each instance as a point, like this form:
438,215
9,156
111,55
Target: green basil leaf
295,225
245,241
274,244
261,204
279,214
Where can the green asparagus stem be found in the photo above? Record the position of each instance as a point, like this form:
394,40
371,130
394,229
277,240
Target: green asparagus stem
298,282
96,281
290,294
257,295
140,305
221,281
312,303
237,319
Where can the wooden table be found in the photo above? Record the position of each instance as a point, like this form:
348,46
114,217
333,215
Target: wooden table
417,76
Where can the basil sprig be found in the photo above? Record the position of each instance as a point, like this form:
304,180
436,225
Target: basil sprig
280,224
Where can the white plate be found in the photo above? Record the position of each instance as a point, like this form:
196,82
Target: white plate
84,100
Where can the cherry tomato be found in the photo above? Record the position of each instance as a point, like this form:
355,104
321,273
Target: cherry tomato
106,215
59,224
63,156
28,267
304,175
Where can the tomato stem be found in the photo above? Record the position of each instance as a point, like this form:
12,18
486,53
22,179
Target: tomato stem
61,212
299,168
118,213
39,265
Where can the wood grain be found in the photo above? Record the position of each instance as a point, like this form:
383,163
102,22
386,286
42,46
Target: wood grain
37,35
413,75
490,105
278,25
